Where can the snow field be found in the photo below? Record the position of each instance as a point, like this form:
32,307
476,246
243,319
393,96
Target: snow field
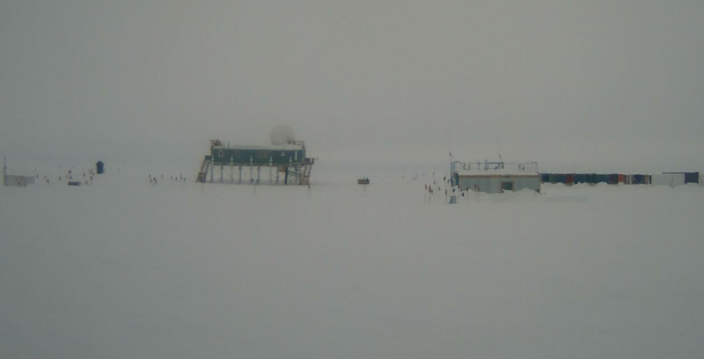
125,269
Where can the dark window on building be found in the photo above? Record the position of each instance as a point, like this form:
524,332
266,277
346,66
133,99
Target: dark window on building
507,186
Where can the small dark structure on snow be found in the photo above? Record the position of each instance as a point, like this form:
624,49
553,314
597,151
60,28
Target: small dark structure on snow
100,167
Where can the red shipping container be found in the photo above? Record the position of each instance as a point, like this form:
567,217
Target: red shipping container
569,179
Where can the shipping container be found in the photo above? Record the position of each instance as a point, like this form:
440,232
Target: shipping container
691,177
569,179
668,179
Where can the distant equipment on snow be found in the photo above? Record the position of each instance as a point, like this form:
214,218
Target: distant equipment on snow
100,167
282,135
12,180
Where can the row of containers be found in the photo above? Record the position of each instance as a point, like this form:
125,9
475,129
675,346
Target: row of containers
667,178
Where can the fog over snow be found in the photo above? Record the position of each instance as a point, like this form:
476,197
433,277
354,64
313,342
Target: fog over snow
125,268
600,85
128,269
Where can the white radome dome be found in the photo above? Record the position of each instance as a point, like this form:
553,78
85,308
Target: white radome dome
282,134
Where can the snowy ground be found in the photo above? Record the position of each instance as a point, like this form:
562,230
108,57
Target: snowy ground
124,269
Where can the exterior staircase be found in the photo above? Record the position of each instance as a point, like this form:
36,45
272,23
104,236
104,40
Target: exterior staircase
203,174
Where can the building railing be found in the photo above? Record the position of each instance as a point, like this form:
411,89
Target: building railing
529,167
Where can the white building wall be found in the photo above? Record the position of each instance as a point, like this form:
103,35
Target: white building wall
520,183
494,184
481,183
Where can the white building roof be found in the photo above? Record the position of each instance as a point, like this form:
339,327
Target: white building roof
497,173
269,148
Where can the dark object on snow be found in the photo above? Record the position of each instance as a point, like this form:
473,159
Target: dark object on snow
363,181
602,178
613,178
74,183
691,177
100,167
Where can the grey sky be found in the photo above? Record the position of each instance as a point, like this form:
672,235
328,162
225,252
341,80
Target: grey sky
577,85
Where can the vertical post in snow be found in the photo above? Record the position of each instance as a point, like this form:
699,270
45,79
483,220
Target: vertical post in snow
232,169
445,185
222,167
259,171
251,174
271,162
288,168
452,165
240,180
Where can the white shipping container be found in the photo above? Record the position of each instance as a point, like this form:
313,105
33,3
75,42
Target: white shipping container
671,179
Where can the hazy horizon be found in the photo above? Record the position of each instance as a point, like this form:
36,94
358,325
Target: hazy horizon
578,86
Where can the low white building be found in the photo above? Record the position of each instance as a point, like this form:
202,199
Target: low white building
497,181
14,181
17,181
494,177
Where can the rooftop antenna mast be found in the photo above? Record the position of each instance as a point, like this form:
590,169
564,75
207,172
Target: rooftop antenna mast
498,149
449,145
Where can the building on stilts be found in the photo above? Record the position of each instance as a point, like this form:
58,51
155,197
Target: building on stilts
283,163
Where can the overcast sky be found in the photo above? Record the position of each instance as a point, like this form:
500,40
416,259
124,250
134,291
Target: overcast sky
576,85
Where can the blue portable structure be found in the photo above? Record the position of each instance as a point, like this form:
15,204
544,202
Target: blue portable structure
289,159
594,178
100,167
691,177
